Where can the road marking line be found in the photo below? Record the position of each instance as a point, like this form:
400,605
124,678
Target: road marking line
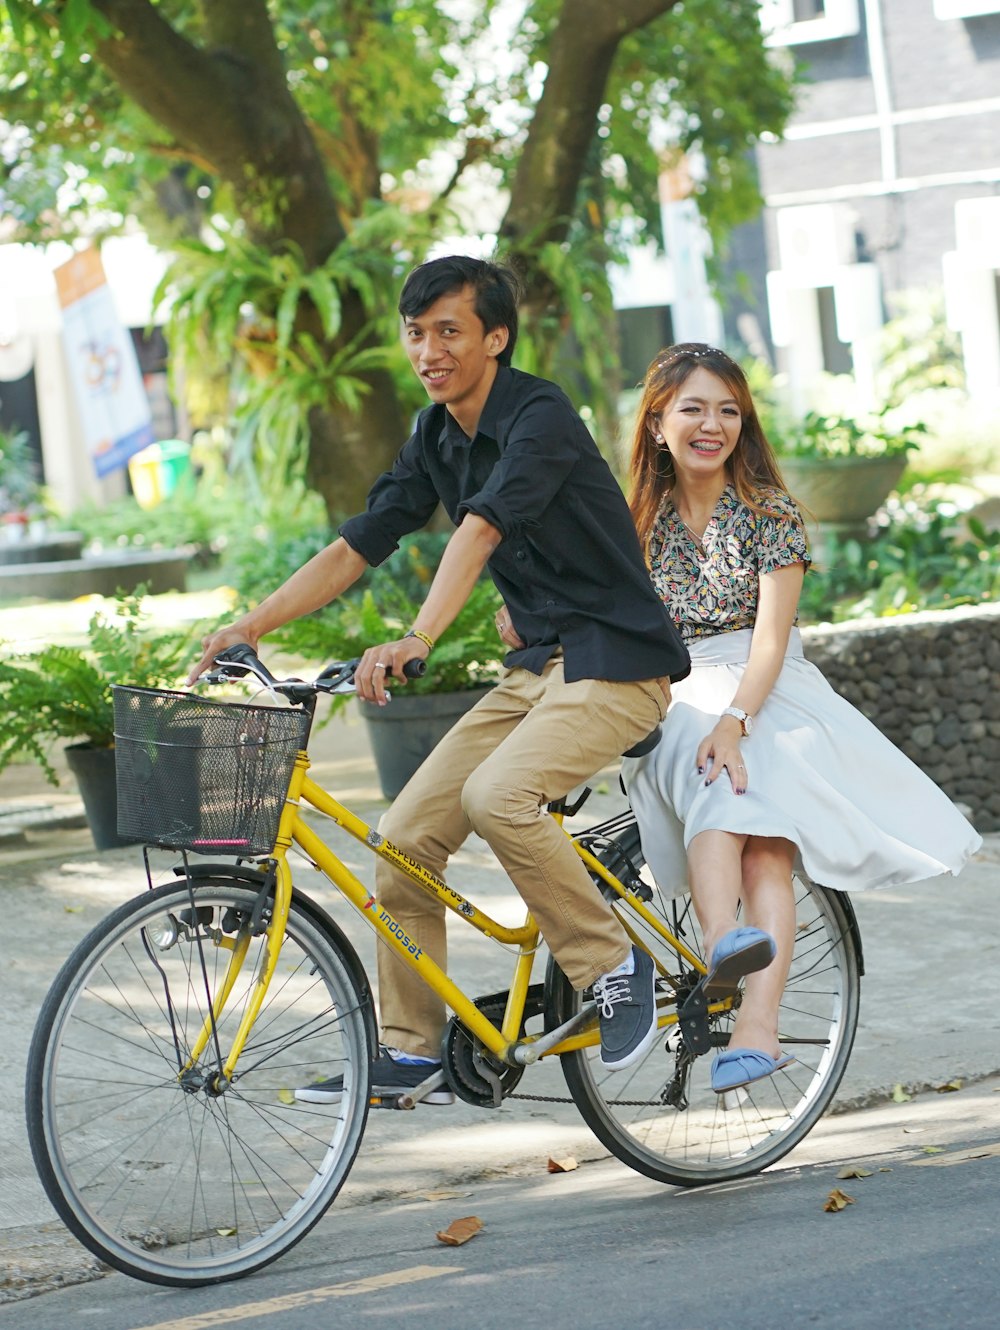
307,1298
962,1156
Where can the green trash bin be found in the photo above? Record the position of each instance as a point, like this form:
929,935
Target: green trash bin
156,471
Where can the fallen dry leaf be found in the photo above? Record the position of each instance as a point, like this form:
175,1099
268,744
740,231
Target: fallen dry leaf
913,1131
955,1084
838,1200
932,1149
460,1230
566,1165
899,1095
441,1195
72,909
226,1232
286,1096
883,1169
854,1171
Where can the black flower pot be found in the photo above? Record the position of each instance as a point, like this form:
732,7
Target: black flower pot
94,770
406,731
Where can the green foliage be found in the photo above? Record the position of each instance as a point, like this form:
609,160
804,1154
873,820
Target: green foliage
830,436
918,352
264,559
19,483
236,295
466,656
381,607
702,71
922,560
64,693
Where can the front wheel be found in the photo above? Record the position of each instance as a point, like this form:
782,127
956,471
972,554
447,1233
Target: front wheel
154,1162
661,1116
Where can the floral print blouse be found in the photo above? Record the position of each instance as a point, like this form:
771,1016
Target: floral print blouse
710,587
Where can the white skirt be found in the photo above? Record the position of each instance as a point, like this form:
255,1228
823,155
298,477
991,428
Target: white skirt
861,814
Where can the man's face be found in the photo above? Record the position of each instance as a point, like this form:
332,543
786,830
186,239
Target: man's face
451,352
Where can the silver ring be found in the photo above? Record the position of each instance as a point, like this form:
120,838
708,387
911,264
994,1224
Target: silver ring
379,666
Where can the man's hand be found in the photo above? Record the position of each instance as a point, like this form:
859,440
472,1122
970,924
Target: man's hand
508,633
379,662
218,641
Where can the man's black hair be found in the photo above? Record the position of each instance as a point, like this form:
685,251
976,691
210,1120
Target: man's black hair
497,288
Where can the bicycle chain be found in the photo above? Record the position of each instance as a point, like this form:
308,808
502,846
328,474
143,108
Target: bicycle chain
559,1099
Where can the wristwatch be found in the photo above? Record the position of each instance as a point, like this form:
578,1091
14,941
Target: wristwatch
744,718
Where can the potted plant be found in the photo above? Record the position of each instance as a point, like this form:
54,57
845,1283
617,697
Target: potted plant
19,484
464,664
842,469
64,693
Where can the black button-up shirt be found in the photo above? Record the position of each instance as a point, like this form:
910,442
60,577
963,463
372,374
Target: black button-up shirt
569,568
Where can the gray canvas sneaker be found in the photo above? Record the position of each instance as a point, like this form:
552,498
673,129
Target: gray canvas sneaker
389,1077
626,1008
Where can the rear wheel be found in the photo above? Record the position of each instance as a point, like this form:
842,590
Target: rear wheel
156,1164
661,1115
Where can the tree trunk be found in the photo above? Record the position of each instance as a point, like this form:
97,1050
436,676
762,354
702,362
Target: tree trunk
349,449
543,195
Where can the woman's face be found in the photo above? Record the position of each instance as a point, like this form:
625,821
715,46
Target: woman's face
700,425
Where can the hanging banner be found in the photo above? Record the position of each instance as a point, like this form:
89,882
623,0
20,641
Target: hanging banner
103,368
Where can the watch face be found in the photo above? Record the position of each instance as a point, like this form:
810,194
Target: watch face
747,724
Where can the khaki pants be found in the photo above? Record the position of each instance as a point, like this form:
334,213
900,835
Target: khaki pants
533,739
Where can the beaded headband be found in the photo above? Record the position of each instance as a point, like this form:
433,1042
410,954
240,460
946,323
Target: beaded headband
696,353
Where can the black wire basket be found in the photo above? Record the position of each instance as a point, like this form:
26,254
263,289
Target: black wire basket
201,775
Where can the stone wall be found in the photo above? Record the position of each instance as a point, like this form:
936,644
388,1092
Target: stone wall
931,683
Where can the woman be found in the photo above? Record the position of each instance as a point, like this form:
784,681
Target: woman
762,766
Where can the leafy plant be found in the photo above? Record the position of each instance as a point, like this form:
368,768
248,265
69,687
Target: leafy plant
256,566
467,655
919,561
64,692
19,482
918,352
829,437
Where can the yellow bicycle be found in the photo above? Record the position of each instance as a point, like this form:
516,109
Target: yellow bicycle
160,1083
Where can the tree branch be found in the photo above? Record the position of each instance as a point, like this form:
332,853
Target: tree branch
231,108
581,51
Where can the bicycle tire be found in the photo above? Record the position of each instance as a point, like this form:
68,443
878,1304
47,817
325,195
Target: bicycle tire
161,1175
703,1137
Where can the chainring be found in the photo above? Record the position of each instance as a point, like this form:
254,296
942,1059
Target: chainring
477,1075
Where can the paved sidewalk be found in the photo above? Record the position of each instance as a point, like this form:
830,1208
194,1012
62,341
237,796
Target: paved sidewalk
932,985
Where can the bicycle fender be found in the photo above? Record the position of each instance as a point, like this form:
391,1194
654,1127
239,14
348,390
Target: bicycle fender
253,877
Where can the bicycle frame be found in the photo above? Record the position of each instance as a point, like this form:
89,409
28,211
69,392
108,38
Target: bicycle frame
504,1042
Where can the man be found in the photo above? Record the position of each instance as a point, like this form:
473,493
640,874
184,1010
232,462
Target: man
588,675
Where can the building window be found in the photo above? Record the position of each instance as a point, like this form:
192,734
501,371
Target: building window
837,357
795,22
641,334
965,8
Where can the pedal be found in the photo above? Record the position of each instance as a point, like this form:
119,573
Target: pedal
392,1101
407,1099
693,1020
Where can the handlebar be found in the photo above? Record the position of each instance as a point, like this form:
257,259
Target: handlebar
237,661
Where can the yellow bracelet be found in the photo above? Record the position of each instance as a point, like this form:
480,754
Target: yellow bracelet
428,641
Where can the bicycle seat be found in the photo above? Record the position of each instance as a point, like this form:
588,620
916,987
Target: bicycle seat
644,746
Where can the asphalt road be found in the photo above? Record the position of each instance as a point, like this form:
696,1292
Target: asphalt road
602,1246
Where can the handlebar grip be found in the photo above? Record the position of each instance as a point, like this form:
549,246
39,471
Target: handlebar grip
240,653
243,655
415,669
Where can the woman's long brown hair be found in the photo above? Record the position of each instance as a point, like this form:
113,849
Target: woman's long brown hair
752,468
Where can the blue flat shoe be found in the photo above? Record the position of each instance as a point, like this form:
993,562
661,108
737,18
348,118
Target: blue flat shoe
737,1067
739,952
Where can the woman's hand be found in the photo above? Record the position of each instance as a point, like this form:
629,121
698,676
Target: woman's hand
720,751
508,633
